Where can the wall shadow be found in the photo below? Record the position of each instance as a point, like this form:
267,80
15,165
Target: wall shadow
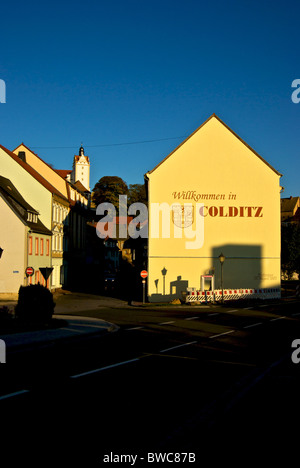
242,268
175,289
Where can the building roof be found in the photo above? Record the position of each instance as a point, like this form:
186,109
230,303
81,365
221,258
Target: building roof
23,144
77,157
34,173
58,172
80,186
296,217
20,206
228,128
37,156
63,172
289,204
8,188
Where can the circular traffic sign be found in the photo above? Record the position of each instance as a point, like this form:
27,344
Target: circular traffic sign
144,273
29,271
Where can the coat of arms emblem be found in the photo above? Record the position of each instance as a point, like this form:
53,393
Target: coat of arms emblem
183,215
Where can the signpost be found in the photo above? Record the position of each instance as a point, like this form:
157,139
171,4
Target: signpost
46,272
144,274
29,271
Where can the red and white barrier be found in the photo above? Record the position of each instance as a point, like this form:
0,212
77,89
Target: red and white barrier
232,294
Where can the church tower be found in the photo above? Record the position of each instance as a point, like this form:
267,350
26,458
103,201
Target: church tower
81,169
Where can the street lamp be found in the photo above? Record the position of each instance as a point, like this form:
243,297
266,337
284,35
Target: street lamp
222,260
164,272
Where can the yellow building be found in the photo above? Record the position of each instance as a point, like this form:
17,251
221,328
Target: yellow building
59,209
24,239
213,195
68,194
42,195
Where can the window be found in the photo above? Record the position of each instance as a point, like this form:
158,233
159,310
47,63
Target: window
42,247
31,217
47,247
42,280
36,246
37,277
30,245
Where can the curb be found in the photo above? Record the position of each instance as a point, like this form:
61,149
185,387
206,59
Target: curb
76,327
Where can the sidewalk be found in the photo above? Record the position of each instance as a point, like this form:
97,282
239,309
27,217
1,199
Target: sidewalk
68,308
74,327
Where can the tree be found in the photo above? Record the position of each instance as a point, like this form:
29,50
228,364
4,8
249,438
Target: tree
137,193
108,189
290,249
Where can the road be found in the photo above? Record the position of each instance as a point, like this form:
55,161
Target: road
207,380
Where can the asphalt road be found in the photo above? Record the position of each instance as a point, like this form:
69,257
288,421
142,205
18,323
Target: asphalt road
217,382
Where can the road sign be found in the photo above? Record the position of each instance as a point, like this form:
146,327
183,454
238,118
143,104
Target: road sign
144,273
29,271
46,272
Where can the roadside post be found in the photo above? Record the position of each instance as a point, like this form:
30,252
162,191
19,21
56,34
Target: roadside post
29,271
144,275
46,272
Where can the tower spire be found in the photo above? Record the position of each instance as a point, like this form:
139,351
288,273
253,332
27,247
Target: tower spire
81,169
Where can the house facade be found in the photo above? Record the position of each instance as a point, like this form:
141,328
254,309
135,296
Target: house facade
26,242
213,195
69,211
62,208
59,211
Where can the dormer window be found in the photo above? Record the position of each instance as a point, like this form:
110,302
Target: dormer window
32,217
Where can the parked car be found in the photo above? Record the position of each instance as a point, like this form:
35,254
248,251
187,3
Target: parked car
109,282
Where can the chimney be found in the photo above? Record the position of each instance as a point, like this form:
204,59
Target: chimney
22,155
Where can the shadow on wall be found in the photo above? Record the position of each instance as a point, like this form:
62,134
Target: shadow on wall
242,267
175,290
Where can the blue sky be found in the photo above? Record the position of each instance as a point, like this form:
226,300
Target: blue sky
113,74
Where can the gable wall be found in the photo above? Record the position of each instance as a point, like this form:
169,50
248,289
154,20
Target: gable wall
33,192
240,195
44,170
